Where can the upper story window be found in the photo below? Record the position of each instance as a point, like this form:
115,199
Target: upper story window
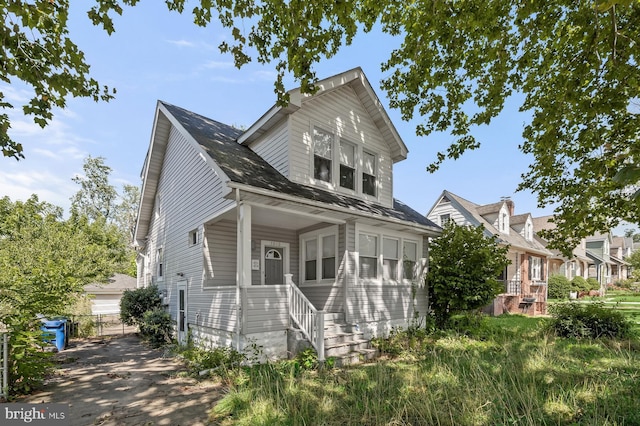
503,222
322,148
369,173
528,232
347,165
445,219
343,165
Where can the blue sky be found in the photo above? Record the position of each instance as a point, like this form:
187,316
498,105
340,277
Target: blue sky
156,55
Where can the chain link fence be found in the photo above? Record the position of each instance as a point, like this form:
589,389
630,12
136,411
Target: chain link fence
99,325
4,366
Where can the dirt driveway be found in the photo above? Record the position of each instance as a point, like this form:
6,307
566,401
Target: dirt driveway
120,381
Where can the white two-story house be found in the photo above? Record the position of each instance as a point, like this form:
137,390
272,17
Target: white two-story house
288,226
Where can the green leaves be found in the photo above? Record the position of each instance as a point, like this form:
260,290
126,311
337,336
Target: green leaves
463,267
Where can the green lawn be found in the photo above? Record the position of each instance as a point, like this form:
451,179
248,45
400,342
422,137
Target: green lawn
508,371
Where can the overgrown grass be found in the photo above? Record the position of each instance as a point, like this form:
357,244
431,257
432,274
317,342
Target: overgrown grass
507,370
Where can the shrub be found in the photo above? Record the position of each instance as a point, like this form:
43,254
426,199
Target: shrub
578,283
134,304
156,327
558,287
218,360
593,283
463,268
592,320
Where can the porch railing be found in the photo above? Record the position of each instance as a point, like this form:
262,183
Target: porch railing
513,287
306,316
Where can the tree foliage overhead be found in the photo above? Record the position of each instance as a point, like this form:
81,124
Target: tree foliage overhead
463,268
575,63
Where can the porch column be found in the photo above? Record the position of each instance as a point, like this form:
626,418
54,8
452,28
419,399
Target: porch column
244,245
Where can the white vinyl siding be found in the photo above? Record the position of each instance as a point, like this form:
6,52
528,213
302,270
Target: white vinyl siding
273,147
265,309
341,112
221,244
191,193
447,209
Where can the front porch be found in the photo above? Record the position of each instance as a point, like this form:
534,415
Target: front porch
294,271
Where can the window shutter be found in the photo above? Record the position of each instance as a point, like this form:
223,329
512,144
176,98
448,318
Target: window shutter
529,265
542,262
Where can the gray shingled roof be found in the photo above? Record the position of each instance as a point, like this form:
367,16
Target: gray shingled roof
242,165
477,212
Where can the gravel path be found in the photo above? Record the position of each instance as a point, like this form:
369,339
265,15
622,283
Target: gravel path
120,381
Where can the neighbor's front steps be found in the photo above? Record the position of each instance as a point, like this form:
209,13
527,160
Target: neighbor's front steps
344,343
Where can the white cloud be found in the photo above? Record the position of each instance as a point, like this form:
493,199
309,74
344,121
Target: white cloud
218,65
181,43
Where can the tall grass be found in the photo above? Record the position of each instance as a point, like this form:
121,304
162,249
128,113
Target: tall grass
507,371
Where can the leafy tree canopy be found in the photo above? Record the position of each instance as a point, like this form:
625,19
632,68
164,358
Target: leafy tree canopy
574,62
463,267
45,260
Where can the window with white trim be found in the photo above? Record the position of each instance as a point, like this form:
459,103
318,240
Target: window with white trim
342,164
369,173
444,219
368,246
160,264
193,237
390,255
409,259
311,260
347,165
535,268
322,157
319,251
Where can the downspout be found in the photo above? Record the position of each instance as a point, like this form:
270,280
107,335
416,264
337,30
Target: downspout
238,272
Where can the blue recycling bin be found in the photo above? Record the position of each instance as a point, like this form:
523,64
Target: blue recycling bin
55,332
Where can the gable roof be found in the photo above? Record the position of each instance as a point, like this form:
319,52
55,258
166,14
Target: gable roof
241,165
356,80
116,284
476,213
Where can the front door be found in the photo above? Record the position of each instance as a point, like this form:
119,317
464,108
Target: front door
273,265
182,313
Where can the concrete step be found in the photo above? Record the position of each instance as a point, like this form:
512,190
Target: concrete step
339,349
340,337
355,357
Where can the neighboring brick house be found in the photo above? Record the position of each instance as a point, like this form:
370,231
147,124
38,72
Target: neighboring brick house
525,279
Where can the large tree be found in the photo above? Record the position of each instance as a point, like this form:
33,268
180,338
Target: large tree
45,262
96,197
575,63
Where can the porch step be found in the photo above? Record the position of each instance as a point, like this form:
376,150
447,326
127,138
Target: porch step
344,342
